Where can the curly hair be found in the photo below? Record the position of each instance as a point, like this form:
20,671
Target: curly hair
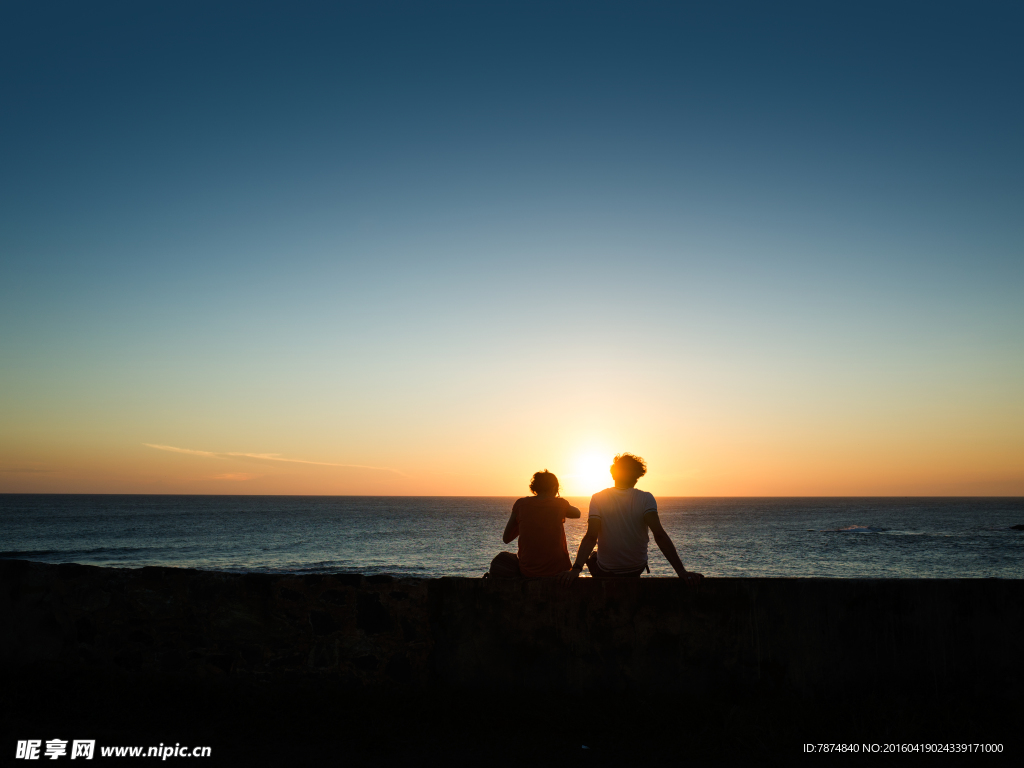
544,482
632,463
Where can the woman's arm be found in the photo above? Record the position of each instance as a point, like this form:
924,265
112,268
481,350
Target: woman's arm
572,512
511,527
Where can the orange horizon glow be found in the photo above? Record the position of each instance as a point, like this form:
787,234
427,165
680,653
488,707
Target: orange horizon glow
841,471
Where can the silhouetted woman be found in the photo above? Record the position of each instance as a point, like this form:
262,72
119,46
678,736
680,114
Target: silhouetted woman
538,522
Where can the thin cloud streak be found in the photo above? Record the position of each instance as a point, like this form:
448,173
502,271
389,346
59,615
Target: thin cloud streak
267,457
208,454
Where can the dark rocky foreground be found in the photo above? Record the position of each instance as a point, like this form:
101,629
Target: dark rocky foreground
346,670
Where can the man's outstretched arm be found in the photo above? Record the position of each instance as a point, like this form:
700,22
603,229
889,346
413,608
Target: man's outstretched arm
668,549
587,545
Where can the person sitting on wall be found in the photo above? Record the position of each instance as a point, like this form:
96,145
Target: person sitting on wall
618,523
538,523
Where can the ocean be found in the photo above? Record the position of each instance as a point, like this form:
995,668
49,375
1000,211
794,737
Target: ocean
429,537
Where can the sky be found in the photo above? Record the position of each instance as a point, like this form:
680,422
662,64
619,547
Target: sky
431,248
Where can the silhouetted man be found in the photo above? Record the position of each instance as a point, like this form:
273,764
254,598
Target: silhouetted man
619,520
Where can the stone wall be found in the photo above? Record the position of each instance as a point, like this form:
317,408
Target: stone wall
805,637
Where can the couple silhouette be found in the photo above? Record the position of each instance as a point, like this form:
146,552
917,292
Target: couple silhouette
619,523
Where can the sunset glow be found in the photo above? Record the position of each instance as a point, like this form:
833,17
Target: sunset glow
589,474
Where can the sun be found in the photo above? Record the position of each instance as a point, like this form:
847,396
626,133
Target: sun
589,474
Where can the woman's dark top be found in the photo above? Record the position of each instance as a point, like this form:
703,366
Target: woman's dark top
542,547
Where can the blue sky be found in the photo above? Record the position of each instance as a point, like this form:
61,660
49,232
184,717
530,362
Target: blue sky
760,242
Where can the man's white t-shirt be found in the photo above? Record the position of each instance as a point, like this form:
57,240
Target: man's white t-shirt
622,545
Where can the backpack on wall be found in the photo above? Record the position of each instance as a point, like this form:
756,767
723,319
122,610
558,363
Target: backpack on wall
505,565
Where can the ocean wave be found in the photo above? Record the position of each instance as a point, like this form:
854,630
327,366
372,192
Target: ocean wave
855,529
29,553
